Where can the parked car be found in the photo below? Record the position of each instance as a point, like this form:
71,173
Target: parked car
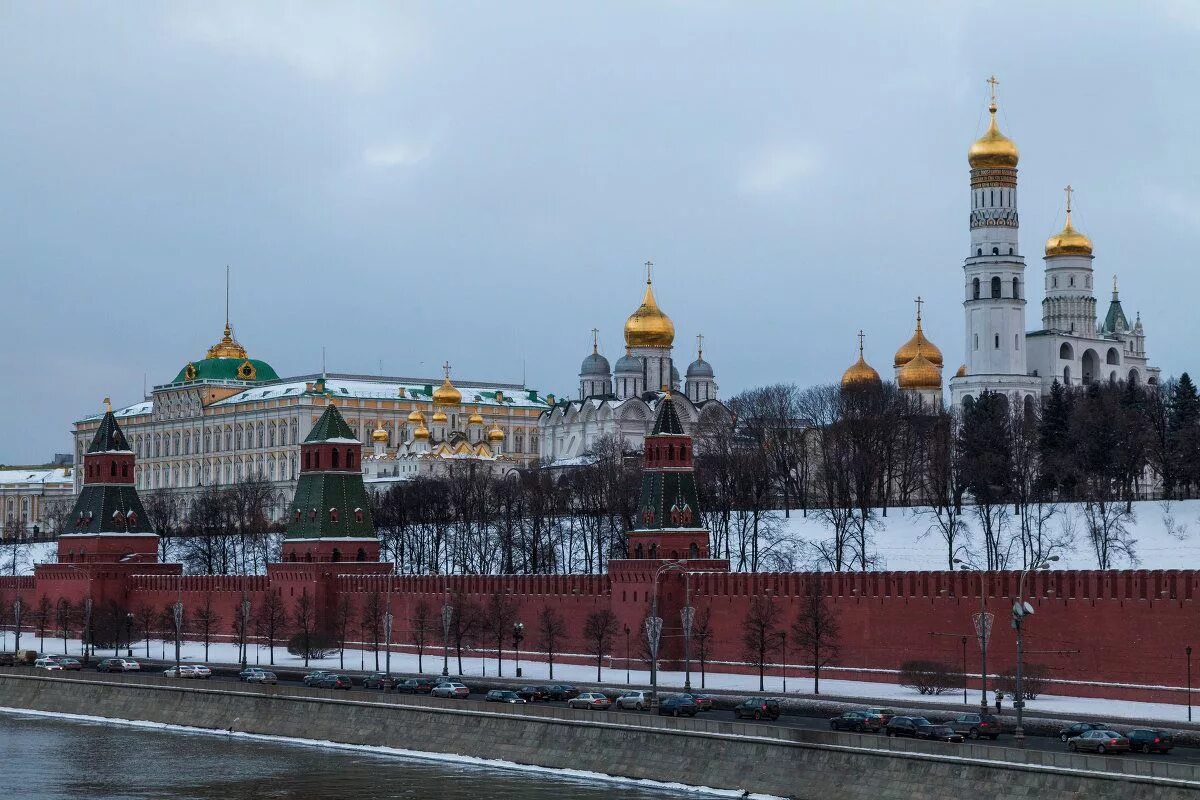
315,677
1150,740
503,696
561,691
592,701
201,671
379,680
131,665
1080,728
331,681
245,674
907,726
71,664
757,708
885,715
182,671
703,702
857,721
415,686
1099,741
48,664
634,699
452,690
111,665
977,726
262,676
939,733
532,694
678,705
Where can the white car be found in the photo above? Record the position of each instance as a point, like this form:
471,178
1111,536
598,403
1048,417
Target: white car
47,663
452,690
634,699
182,671
201,671
130,665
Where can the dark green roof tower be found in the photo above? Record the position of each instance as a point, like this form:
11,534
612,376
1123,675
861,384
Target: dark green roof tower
669,514
331,513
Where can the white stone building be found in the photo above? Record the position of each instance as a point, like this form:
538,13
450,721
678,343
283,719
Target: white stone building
28,496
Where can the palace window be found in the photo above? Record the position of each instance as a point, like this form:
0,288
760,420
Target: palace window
996,287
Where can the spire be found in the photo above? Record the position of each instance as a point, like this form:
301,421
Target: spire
107,405
699,346
228,347
330,426
993,83
1116,297
667,421
595,340
993,149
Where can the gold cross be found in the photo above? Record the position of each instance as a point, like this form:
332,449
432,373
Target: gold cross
994,83
699,345
1069,190
595,340
861,336
919,303
649,265
446,369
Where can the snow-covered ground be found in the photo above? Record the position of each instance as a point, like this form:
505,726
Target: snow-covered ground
477,666
1162,536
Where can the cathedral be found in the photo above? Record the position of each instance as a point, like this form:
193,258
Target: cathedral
621,403
1072,346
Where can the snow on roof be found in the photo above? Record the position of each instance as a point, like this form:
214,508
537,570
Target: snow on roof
388,389
134,410
35,475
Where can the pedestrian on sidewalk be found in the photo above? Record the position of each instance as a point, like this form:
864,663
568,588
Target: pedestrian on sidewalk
999,698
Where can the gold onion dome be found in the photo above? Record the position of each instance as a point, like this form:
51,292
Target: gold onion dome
421,432
993,149
1068,241
860,372
495,434
380,434
475,419
416,416
962,372
918,344
920,373
446,394
649,326
439,416
227,347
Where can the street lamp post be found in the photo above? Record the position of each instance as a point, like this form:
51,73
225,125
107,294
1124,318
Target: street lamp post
518,635
87,626
245,630
387,635
964,671
447,616
783,642
654,625
1188,650
983,630
178,611
17,624
627,681
1020,610
129,634
687,614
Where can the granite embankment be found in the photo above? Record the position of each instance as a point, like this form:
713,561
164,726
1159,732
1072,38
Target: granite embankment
785,762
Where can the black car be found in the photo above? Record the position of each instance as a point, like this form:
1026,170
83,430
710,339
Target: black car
502,696
561,691
315,677
532,694
977,726
757,708
416,686
1080,728
939,733
907,726
1150,740
857,721
379,680
111,665
678,706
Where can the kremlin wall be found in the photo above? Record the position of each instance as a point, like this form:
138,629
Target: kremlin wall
1128,626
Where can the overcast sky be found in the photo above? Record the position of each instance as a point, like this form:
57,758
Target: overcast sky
481,182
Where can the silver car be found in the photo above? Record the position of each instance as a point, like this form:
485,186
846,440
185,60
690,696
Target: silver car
634,700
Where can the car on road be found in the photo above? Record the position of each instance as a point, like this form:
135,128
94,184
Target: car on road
48,664
592,701
201,671
939,733
857,721
415,686
704,702
1080,728
634,699
245,674
906,727
678,706
532,694
977,726
333,681
452,690
182,671
379,680
1098,741
67,663
262,676
757,708
117,665
561,691
503,696
1150,740
315,677
885,715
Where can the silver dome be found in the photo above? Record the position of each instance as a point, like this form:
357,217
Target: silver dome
628,364
595,364
700,369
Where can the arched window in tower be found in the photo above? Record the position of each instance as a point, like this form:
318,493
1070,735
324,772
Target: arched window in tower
1011,251
349,458
124,470
693,550
316,459
975,286
977,341
1072,280
307,460
112,469
1016,288
1055,281
978,251
995,251
361,555
337,555
670,452
997,341
996,287
1016,341
334,458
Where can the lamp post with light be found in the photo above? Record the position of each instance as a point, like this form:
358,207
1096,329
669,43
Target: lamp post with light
627,681
1020,610
518,635
447,617
983,629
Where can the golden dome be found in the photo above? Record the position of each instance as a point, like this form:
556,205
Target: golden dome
446,394
918,343
380,434
920,373
860,371
439,416
649,326
962,372
227,347
1068,241
416,416
476,419
993,149
495,434
421,432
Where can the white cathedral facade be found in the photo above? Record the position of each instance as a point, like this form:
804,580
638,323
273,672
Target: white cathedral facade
1071,346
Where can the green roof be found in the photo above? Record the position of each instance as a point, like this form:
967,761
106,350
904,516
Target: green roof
227,369
331,425
1115,321
321,491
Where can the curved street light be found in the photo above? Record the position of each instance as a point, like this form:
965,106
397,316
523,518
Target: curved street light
1020,610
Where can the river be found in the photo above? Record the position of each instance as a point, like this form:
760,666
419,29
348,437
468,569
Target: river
48,758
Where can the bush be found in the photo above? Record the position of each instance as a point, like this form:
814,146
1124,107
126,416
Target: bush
1034,678
320,645
929,677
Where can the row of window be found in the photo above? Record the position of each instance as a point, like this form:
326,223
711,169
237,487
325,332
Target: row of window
312,458
1008,197
191,474
997,288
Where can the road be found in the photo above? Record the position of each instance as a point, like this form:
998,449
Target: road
228,675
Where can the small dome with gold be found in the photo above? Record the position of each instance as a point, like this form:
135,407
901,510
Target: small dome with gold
993,149
648,326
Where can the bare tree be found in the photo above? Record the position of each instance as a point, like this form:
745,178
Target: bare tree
760,634
551,629
341,623
816,628
371,620
207,619
499,614
599,629
41,615
305,620
147,619
64,618
271,620
464,623
422,623
701,633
